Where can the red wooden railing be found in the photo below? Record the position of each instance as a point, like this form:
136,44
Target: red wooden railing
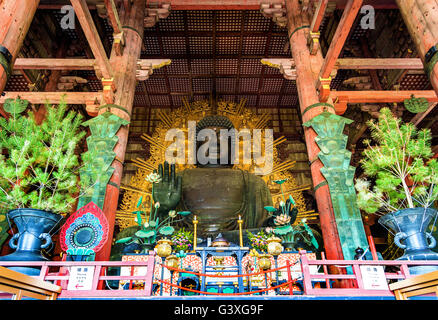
400,274
58,272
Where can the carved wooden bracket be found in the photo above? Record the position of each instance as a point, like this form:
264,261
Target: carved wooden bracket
154,12
145,67
119,43
341,105
92,107
275,11
313,42
108,90
286,66
324,89
69,82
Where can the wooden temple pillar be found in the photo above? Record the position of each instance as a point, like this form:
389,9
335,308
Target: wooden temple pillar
124,82
15,19
421,19
308,67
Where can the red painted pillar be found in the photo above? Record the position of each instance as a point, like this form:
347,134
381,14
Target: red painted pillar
124,68
308,67
421,19
15,19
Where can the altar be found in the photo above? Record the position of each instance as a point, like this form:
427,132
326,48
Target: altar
209,274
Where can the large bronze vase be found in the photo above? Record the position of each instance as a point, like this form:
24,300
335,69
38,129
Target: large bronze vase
33,235
410,227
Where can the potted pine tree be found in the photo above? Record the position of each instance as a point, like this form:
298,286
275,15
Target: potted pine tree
405,185
38,175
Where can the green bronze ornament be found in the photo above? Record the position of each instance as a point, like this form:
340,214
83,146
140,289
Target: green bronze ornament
416,105
339,175
6,65
97,170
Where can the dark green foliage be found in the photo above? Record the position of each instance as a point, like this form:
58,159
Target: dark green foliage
401,153
38,166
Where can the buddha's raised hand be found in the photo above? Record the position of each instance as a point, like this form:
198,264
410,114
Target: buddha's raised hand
168,191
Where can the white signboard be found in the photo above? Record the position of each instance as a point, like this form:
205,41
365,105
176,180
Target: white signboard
374,278
81,278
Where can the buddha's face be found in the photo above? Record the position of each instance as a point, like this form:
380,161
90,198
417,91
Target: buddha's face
209,144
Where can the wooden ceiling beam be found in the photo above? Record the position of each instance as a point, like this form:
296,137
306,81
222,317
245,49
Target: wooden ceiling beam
343,30
318,16
86,20
118,35
38,97
386,63
54,64
381,96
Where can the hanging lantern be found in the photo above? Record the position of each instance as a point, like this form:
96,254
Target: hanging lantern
274,246
164,247
416,105
172,261
264,261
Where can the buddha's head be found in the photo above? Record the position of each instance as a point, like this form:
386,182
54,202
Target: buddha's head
213,148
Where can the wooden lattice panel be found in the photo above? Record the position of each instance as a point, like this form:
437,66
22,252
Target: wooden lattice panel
227,45
341,76
94,85
139,87
289,100
177,67
227,66
159,100
251,66
151,45
177,100
256,22
17,83
199,97
108,29
272,85
173,23
229,20
156,85
228,97
269,70
140,100
201,66
254,45
201,45
200,20
249,84
202,84
289,87
225,85
415,82
276,47
179,85
268,101
251,99
174,45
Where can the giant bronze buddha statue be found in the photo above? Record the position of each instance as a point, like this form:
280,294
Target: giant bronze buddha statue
214,191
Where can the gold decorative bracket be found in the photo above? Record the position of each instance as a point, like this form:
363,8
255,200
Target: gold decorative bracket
145,67
286,66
